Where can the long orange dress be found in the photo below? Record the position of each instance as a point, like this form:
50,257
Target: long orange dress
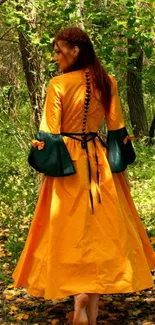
69,249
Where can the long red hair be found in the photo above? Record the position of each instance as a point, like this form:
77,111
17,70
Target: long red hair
87,57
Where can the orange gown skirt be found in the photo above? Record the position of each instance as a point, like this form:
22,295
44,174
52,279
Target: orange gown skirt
70,250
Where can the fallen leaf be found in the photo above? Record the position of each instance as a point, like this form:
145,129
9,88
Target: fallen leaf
112,316
10,291
108,299
101,303
69,317
13,308
22,316
55,321
117,304
8,297
10,286
136,298
18,300
149,299
136,312
104,314
30,302
129,299
152,239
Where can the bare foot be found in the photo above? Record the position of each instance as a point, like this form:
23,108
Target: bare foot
80,315
92,308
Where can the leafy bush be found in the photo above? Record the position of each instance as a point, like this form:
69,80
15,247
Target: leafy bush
143,178
18,182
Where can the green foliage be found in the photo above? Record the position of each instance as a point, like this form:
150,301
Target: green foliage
143,180
18,182
108,26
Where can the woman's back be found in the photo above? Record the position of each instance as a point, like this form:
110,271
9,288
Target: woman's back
73,97
65,105
68,92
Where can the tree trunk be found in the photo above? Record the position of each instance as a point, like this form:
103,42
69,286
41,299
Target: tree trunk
134,89
30,72
31,62
77,15
152,131
80,6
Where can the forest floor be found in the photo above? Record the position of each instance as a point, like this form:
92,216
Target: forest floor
19,308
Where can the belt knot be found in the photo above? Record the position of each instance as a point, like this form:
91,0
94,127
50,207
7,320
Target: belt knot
85,138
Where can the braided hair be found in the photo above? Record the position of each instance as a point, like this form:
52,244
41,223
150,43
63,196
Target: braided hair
75,36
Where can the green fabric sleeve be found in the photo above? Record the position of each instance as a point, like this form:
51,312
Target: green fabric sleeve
119,154
53,159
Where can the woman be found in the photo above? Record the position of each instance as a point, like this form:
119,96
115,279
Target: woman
86,237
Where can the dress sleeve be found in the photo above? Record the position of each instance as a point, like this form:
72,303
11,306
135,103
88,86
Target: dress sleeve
120,149
49,154
51,117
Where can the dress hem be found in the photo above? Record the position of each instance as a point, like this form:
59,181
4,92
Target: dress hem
39,295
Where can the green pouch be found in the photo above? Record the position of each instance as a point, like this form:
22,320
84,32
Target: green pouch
49,155
120,154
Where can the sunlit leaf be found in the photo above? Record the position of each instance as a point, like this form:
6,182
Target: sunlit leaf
13,308
21,316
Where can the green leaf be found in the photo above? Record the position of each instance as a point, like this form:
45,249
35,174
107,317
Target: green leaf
148,49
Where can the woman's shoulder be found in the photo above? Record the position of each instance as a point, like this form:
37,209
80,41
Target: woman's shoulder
62,82
113,83
66,76
112,78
